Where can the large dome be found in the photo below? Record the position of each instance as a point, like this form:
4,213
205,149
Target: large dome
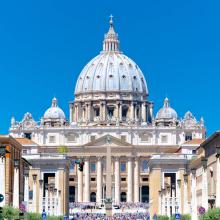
111,71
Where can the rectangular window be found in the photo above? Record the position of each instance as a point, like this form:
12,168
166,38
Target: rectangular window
93,167
71,179
52,139
144,179
123,167
145,138
71,138
123,179
93,179
188,137
164,139
72,166
144,166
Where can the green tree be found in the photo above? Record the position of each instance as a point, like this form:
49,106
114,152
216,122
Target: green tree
211,214
162,217
63,150
10,213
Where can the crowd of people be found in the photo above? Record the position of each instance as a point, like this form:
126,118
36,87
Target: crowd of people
121,205
133,205
118,216
121,211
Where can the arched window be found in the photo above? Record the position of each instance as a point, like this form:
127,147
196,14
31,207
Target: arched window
93,197
123,197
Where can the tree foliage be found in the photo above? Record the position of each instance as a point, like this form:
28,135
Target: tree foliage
211,214
63,150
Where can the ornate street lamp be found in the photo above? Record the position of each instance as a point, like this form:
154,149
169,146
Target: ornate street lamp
204,162
193,170
16,163
26,171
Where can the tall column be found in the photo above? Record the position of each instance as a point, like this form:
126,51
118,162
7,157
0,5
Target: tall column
103,110
40,196
59,203
217,191
132,111
194,197
117,180
34,203
87,180
16,186
26,191
204,185
178,196
71,113
168,197
99,180
144,114
89,111
46,198
151,111
120,111
130,180
163,201
2,179
136,180
186,202
80,186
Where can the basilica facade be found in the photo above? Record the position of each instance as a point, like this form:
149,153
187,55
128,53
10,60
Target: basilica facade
130,154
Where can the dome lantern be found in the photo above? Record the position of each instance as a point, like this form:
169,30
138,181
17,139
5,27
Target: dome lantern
111,42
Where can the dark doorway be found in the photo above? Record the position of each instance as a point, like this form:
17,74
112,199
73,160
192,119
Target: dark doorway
72,194
93,197
145,194
123,197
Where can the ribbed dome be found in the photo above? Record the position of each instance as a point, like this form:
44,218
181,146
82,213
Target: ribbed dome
54,112
166,112
111,71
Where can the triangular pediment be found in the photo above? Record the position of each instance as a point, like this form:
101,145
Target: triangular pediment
108,140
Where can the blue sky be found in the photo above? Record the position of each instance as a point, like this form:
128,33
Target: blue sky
45,44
